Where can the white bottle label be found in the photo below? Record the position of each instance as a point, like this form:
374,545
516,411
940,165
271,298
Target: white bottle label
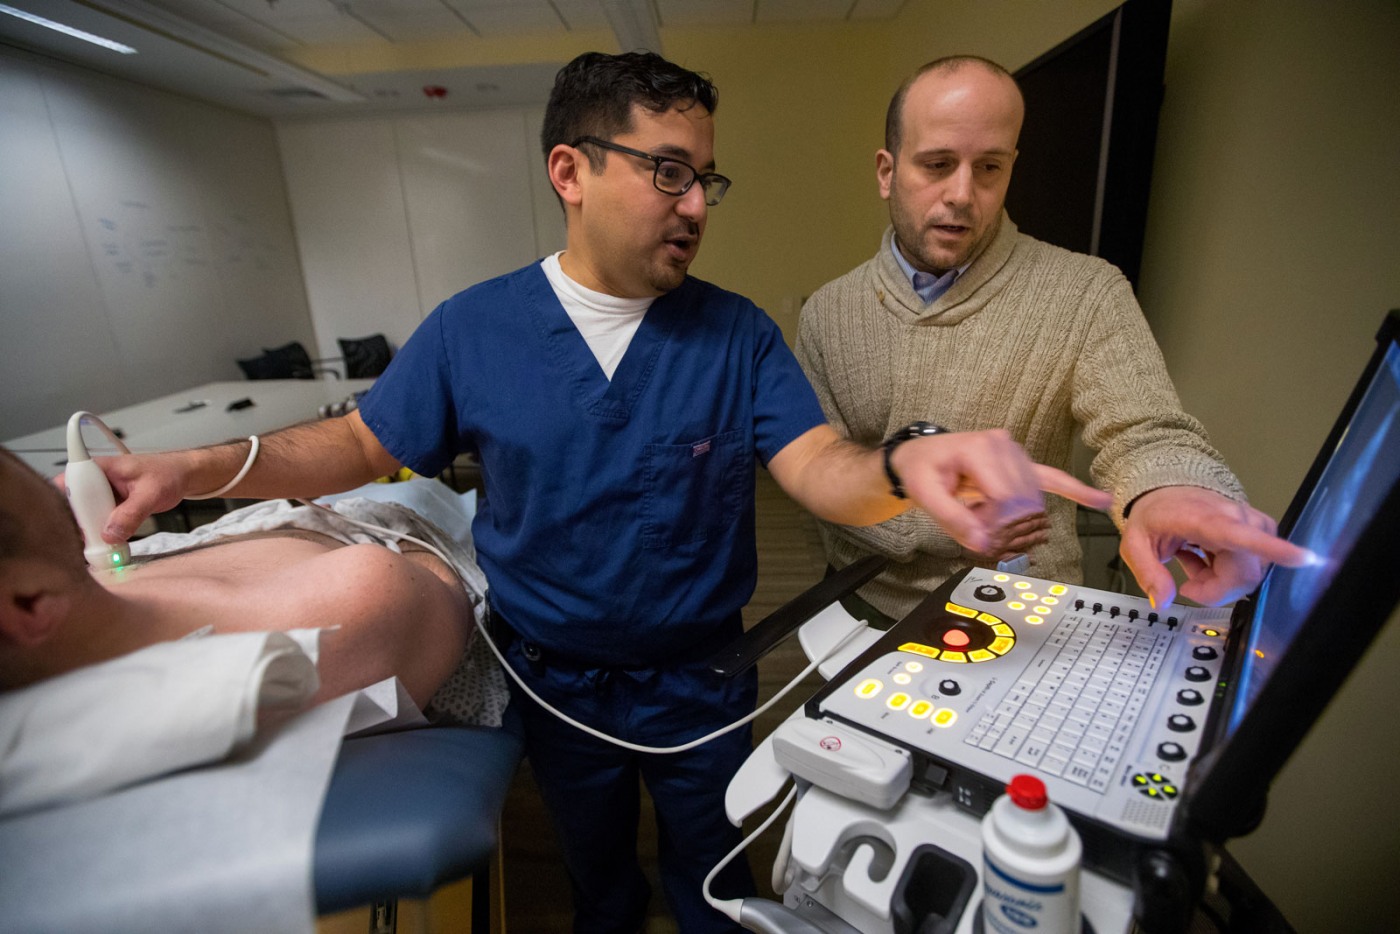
1014,905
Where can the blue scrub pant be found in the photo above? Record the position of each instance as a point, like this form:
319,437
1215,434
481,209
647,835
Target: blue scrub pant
591,787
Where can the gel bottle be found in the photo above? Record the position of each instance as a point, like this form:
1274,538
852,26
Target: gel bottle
1030,864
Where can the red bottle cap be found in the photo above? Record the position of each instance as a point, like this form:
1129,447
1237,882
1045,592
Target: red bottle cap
1027,792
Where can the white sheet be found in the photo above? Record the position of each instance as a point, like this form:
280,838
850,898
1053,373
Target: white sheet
224,848
166,707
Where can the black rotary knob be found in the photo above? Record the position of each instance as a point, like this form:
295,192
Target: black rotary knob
1190,697
1180,723
1204,652
989,593
1197,673
1172,752
949,687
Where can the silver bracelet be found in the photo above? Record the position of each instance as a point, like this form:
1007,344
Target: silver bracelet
238,477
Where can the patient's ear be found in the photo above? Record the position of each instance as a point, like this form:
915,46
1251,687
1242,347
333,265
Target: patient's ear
35,599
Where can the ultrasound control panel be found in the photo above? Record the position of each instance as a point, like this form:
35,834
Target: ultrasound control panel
1097,693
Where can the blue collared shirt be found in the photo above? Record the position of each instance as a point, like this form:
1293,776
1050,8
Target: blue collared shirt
928,286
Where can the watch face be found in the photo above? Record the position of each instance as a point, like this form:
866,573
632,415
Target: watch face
922,430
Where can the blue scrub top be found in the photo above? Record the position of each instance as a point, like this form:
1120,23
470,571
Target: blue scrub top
617,526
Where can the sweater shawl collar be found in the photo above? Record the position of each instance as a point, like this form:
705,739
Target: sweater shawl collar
980,284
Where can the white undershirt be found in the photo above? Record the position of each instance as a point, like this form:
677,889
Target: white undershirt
606,322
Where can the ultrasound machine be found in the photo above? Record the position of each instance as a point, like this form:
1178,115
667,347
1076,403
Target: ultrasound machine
1158,731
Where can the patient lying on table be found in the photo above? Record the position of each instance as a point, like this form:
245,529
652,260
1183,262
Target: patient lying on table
406,614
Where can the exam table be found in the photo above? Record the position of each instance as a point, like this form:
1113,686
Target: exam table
408,812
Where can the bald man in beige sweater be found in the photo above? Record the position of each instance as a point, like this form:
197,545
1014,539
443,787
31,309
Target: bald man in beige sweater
961,322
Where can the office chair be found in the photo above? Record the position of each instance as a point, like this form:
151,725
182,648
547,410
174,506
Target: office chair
365,356
290,361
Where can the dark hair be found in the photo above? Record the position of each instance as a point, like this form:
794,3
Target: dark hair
12,543
593,96
18,539
894,117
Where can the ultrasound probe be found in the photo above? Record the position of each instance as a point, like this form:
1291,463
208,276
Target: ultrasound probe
90,495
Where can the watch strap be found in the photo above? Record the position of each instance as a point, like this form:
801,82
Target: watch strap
908,432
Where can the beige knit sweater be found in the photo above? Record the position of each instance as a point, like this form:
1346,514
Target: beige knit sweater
1031,338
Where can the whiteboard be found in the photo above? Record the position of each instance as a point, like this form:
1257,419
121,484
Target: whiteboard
145,243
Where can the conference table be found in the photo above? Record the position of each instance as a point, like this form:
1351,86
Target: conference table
205,414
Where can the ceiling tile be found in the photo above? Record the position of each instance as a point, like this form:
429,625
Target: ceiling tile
582,15
401,21
793,11
705,12
492,18
876,9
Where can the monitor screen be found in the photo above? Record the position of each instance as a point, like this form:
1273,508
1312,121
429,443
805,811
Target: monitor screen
1349,491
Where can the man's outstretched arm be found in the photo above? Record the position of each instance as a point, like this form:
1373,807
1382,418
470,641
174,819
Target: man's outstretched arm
976,484
303,461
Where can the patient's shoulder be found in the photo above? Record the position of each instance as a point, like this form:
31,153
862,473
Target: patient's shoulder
371,577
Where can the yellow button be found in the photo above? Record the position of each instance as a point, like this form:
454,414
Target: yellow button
1059,590
945,716
1001,577
919,649
1139,779
1050,600
1021,585
920,709
1001,645
1212,632
1002,629
915,667
1034,620
1016,605
955,657
980,655
1031,597
1044,610
962,610
898,701
988,618
902,678
868,688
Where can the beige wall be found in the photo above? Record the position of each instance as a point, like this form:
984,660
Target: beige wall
1273,251
801,116
799,121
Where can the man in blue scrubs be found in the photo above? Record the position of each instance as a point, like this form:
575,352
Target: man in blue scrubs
619,408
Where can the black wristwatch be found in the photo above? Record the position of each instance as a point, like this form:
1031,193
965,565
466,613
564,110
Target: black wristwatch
916,430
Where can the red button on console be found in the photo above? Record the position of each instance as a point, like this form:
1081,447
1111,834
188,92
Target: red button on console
955,638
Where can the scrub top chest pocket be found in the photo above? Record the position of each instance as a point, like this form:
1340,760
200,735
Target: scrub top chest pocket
693,491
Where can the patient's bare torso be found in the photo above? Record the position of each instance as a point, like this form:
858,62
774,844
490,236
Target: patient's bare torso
281,579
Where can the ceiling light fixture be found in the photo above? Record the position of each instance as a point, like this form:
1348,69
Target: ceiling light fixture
68,30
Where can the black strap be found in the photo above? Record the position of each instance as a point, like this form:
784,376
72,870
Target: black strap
744,652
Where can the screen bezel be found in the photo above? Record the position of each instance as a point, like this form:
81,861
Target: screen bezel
1228,786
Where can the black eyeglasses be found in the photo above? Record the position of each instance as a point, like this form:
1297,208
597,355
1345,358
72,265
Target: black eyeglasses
672,176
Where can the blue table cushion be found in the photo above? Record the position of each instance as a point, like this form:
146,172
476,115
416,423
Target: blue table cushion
408,812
